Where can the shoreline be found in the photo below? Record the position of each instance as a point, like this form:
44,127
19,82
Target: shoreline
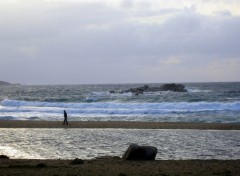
118,124
114,166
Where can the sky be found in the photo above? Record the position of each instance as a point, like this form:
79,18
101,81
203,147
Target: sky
120,41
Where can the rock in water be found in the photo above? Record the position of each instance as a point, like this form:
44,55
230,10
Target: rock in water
173,87
165,87
136,152
137,91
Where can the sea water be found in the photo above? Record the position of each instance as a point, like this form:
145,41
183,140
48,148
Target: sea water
203,102
91,143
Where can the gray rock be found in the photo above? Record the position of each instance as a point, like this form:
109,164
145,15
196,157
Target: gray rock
41,165
173,87
137,91
136,152
77,161
165,87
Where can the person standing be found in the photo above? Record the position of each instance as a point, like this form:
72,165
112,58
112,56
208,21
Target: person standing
65,118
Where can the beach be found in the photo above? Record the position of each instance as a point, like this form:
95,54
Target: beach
118,124
118,167
115,165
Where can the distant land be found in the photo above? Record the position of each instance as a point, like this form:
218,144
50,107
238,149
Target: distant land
4,83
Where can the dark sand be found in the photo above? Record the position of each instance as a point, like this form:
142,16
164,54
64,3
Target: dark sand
119,167
113,166
116,124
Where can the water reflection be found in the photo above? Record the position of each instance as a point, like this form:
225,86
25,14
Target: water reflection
90,143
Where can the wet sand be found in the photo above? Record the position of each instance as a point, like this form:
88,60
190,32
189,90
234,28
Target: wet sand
119,167
118,124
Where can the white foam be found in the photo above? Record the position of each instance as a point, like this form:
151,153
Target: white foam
42,109
195,90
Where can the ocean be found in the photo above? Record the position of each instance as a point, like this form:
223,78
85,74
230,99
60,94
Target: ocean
203,102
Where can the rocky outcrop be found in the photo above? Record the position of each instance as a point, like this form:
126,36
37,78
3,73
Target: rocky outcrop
138,90
136,152
173,87
4,157
165,87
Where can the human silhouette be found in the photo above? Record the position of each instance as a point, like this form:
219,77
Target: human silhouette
65,118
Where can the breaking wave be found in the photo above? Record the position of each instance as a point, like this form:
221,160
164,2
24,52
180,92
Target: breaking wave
118,108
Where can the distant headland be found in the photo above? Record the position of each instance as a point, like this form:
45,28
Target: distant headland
4,83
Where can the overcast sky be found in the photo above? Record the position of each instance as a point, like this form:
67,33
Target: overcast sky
119,41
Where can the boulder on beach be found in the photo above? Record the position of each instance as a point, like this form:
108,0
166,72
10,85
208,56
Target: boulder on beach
77,161
41,165
136,152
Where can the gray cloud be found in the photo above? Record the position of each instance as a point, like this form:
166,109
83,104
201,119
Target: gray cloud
63,42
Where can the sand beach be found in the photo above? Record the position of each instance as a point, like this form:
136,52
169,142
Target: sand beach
118,167
118,124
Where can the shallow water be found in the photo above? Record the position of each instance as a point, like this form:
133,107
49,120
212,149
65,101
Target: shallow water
91,143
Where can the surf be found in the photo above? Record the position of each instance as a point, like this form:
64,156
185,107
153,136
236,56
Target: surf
124,108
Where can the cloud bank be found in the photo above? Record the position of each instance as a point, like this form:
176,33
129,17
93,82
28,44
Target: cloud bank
61,42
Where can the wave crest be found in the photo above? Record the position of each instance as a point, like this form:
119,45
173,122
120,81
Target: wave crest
164,106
